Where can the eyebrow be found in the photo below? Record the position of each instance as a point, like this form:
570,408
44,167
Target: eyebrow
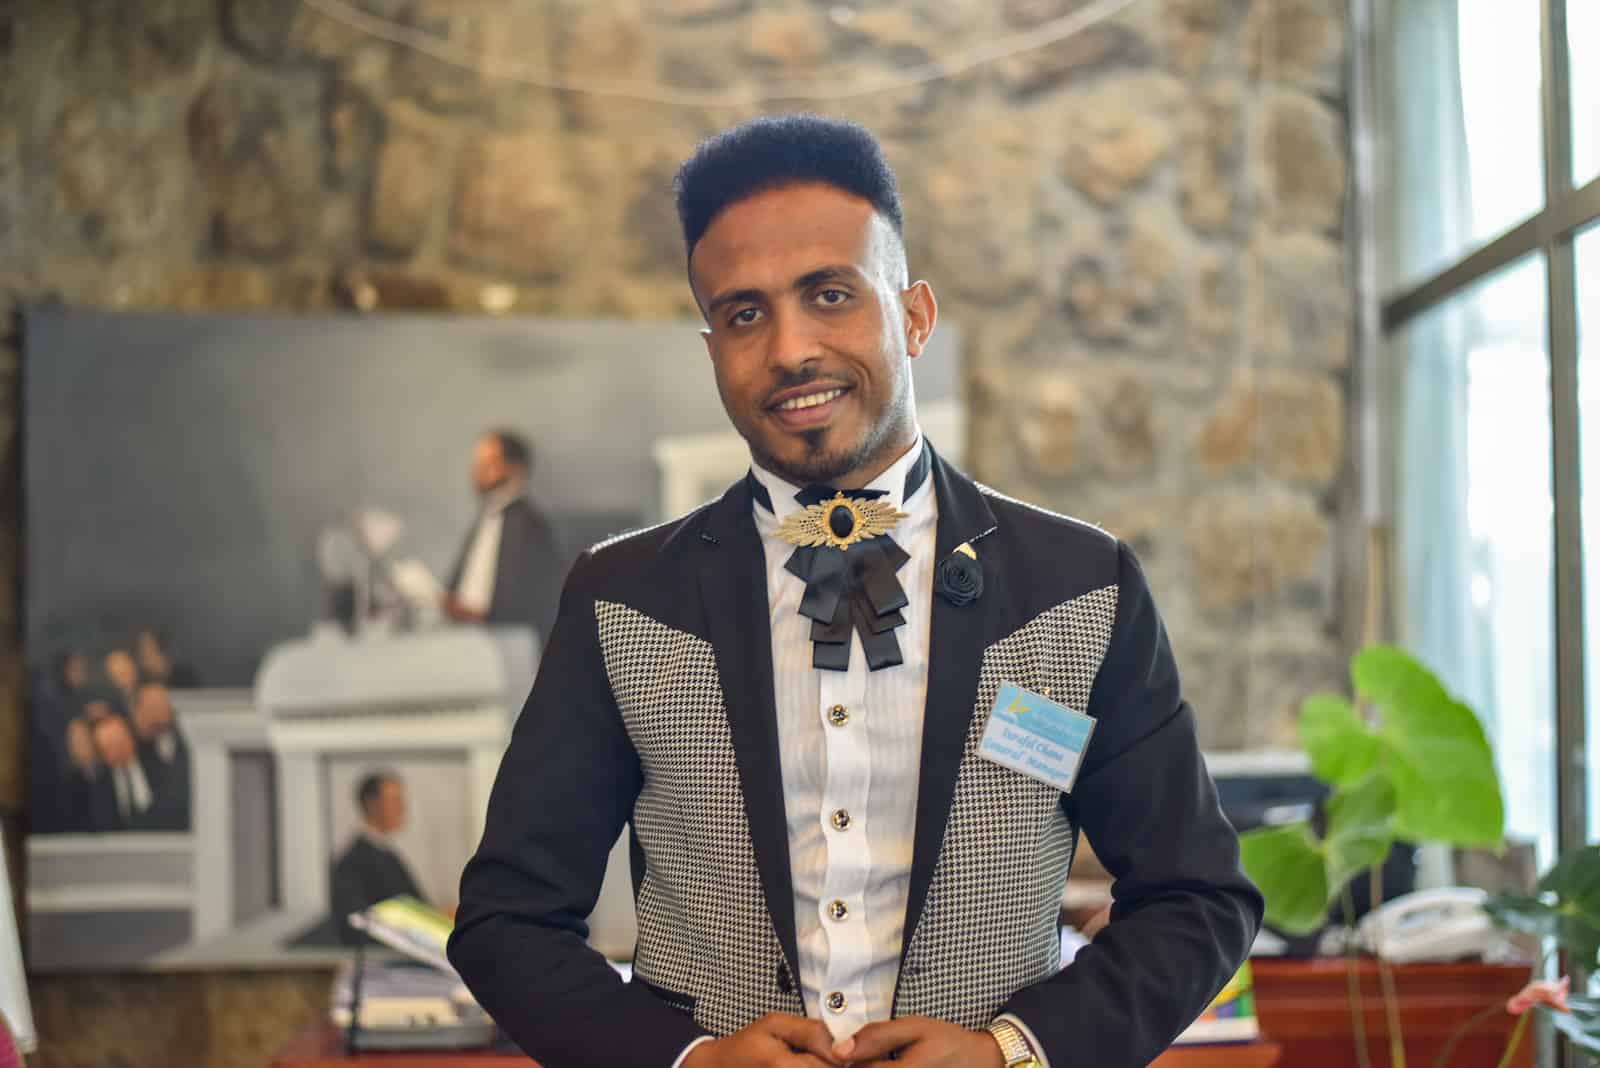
805,281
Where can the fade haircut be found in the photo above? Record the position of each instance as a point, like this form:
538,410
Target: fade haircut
780,150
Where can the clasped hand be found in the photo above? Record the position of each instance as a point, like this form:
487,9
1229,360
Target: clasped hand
779,1040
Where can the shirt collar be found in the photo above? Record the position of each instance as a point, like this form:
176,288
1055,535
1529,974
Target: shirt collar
497,501
377,837
892,481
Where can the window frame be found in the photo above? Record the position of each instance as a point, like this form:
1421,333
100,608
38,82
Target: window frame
1552,232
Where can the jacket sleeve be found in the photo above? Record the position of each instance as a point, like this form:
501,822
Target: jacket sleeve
565,787
1184,915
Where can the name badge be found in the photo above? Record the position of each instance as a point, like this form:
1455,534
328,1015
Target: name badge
1036,736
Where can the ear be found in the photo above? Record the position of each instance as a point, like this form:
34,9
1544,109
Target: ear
922,313
705,335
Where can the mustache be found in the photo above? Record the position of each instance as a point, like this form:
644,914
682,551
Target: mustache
795,379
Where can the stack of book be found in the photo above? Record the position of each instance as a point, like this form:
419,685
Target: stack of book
415,1003
1231,1016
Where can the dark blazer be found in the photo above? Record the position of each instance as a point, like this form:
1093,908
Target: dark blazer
527,581
654,705
105,814
169,781
365,875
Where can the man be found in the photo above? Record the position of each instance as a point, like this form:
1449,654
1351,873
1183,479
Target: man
164,755
155,662
789,693
120,795
506,573
122,672
54,785
371,870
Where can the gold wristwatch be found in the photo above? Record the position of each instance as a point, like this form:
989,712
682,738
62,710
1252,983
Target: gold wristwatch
1014,1047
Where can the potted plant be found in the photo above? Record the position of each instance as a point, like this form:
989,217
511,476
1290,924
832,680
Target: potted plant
1403,760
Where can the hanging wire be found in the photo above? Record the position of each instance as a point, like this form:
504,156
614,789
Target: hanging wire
937,69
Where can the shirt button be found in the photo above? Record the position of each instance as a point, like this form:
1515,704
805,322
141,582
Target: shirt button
838,910
838,715
841,820
836,1002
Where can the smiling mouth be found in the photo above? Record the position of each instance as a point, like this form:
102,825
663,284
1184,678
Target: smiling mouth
808,400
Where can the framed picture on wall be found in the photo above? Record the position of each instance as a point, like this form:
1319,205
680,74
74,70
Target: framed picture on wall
255,678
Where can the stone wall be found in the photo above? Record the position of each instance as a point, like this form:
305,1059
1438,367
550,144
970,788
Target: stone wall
1139,229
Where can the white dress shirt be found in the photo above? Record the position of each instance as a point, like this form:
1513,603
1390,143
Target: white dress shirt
850,884
132,790
475,587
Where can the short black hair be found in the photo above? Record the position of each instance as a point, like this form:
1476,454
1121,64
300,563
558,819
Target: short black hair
779,150
371,786
515,448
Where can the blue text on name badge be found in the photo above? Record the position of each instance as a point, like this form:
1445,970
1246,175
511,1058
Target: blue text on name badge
1036,736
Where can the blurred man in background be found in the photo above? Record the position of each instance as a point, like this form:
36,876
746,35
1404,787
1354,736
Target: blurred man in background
164,756
371,869
509,570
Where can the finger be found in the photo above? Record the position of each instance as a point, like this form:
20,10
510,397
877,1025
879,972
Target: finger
881,1039
807,1060
803,1036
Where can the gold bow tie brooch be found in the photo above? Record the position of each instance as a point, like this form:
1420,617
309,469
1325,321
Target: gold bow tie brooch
840,522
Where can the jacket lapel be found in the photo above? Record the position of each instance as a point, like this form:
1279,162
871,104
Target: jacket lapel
733,586
955,654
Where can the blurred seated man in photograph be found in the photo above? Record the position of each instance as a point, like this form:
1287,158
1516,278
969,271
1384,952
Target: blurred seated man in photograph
55,704
155,663
164,755
122,672
120,795
371,870
509,571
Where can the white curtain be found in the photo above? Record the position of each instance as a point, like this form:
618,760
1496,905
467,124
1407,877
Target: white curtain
1473,510
1429,210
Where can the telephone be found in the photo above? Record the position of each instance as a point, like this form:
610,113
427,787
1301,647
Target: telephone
1445,923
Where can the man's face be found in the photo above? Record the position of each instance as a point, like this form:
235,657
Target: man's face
113,741
810,328
152,711
76,671
151,657
388,811
121,670
489,467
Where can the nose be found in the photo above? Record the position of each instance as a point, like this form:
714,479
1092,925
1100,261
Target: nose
792,342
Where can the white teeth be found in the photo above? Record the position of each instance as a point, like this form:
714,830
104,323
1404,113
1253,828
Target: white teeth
810,400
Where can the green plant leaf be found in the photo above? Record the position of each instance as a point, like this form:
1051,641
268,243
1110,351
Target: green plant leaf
1286,863
1531,914
1342,747
1582,1024
1567,908
1392,678
1575,883
1360,829
1434,750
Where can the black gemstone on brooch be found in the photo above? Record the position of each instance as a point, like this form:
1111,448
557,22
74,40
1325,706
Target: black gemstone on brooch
841,521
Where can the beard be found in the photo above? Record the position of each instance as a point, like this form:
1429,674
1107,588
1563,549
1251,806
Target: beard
820,464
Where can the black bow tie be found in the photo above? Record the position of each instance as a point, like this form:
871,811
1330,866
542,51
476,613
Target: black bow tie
854,589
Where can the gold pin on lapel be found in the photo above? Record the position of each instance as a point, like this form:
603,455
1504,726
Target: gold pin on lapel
965,548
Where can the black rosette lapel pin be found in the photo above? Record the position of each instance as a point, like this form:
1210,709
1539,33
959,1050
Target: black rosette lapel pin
959,576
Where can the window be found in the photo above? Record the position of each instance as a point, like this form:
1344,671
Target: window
1461,100
1488,255
1588,261
1583,32
1474,523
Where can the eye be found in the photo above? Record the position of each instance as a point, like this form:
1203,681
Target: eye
832,297
744,317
